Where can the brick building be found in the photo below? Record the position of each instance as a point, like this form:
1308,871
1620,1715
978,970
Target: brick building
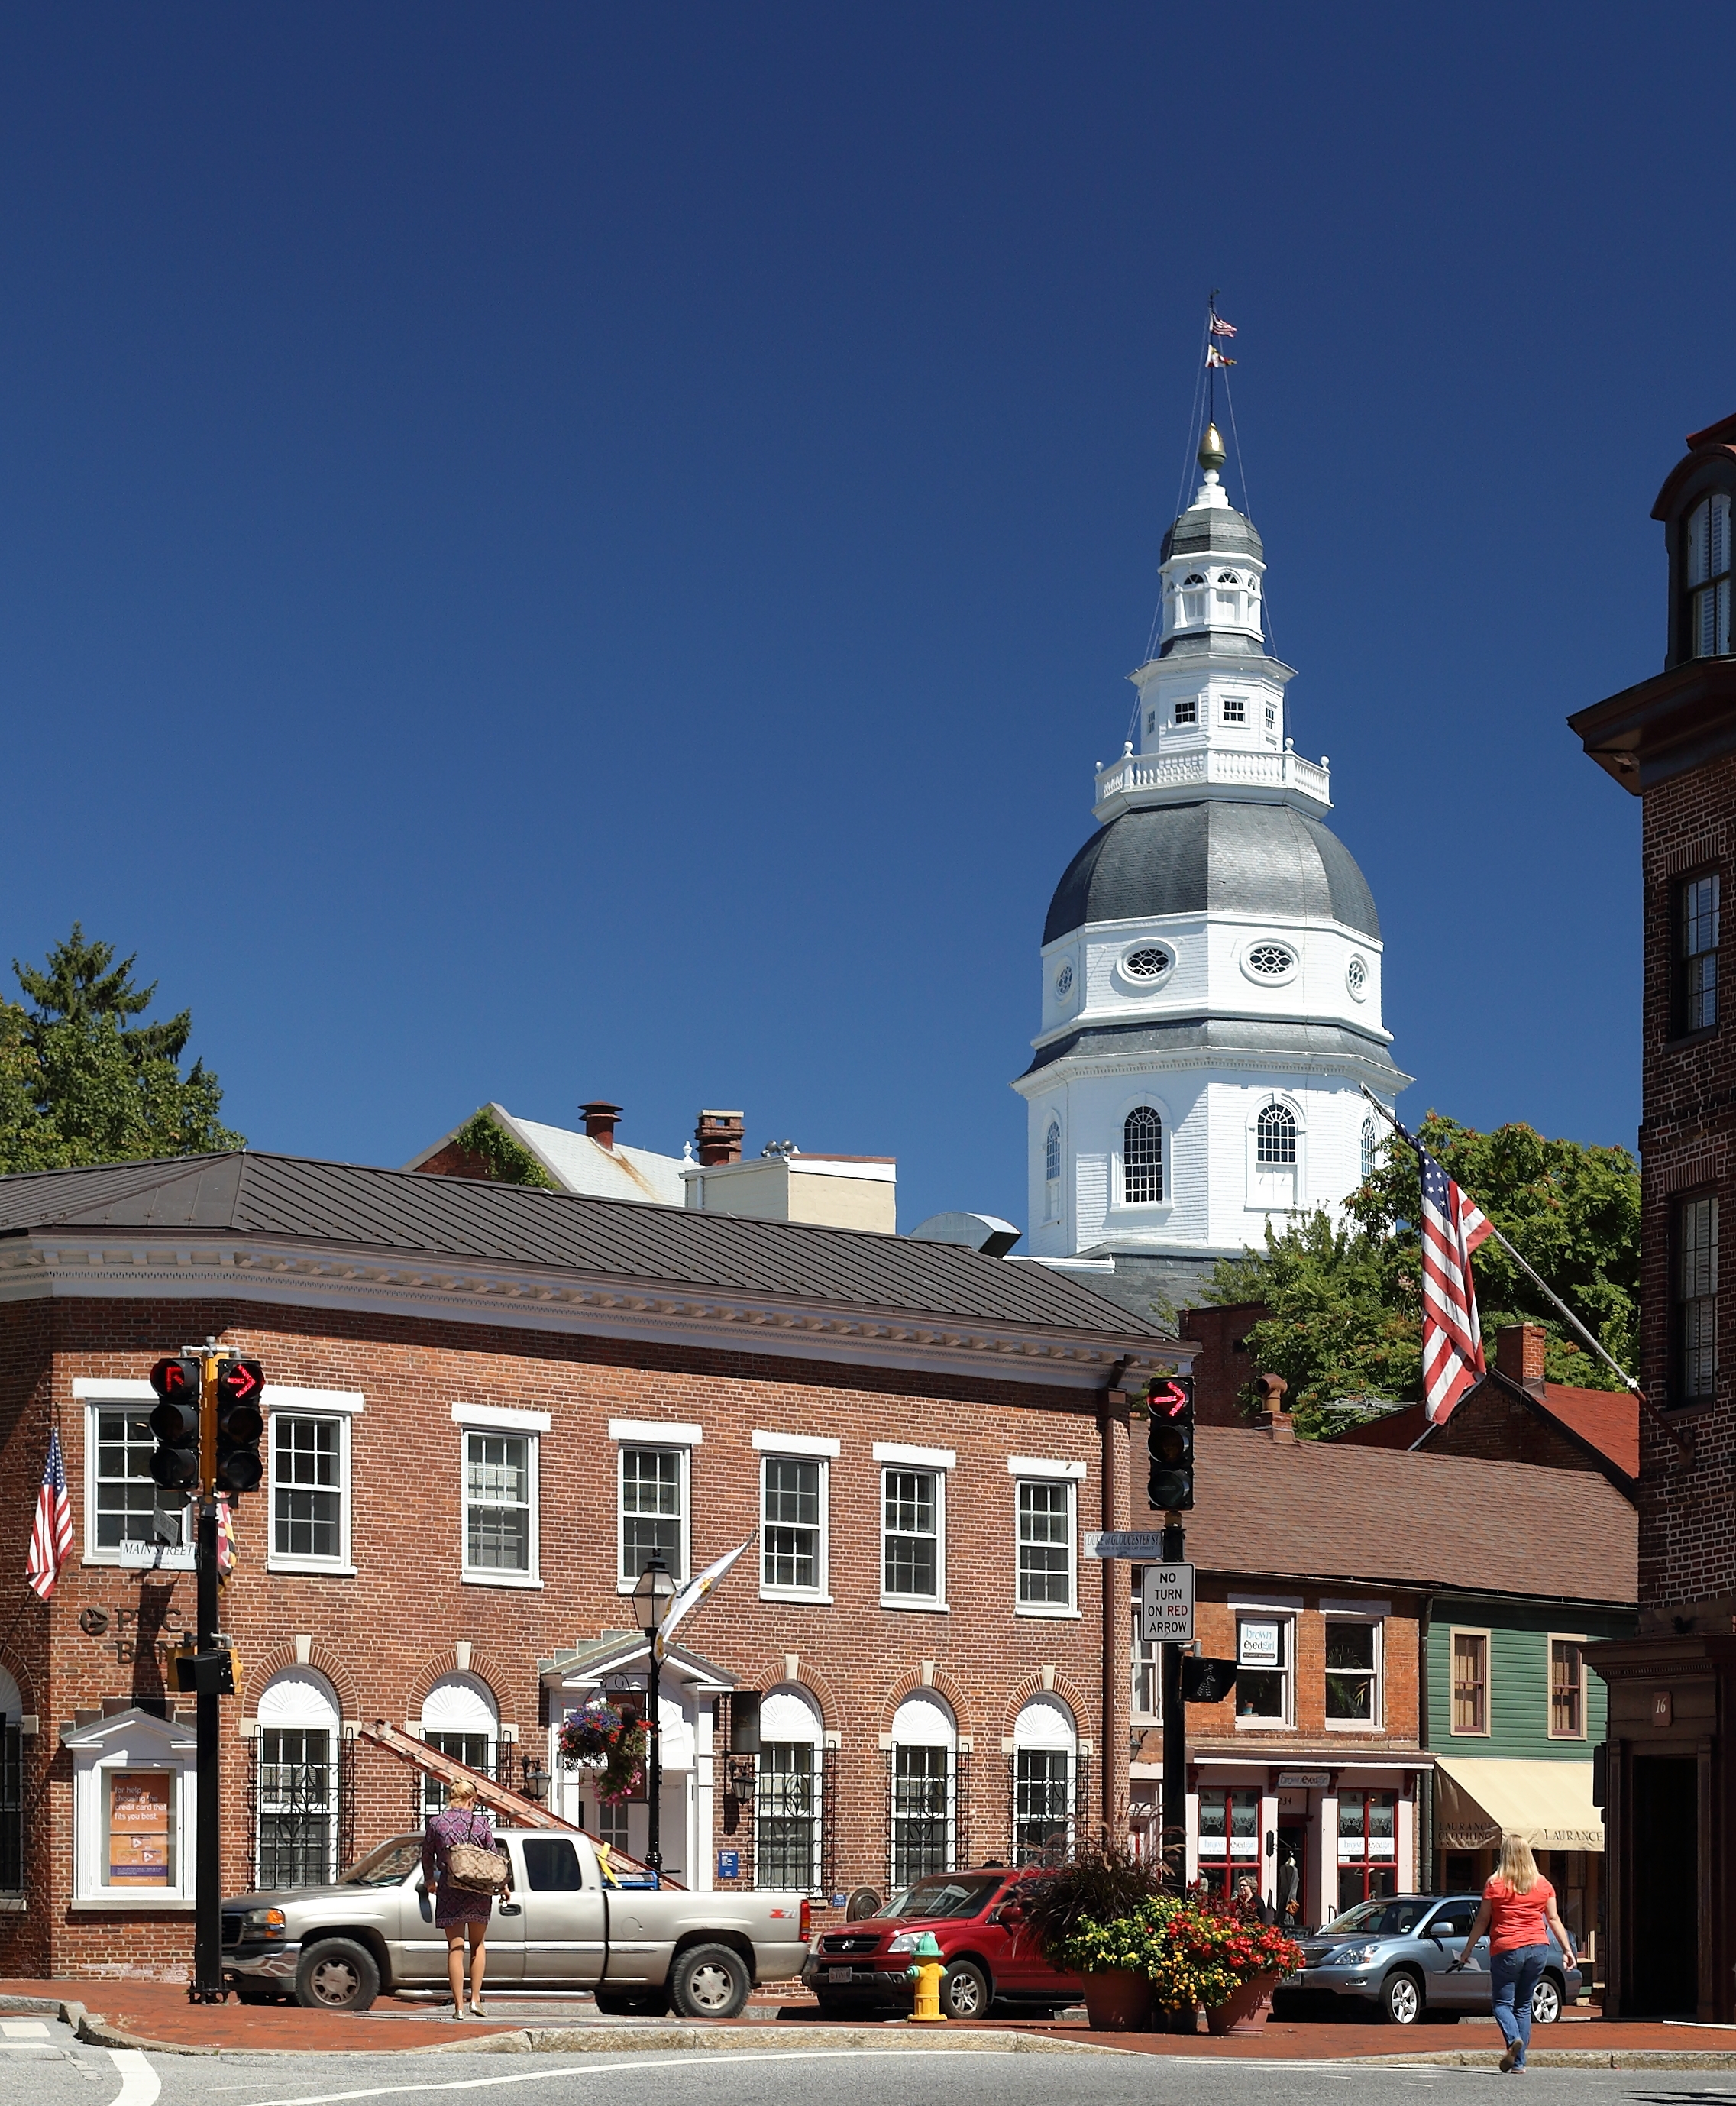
1670,741
487,1404
1515,1415
1409,1665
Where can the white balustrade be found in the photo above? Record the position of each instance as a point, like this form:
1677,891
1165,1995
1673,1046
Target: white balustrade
1142,778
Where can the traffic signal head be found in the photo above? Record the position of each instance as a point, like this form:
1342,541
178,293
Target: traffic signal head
1169,1444
174,1464
241,1386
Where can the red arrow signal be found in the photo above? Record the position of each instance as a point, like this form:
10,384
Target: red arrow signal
240,1381
1171,1400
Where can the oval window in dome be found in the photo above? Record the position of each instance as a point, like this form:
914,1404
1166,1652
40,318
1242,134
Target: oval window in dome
1356,978
1148,963
1272,962
1064,982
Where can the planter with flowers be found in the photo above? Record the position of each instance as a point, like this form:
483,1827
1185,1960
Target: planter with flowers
1237,1962
600,1736
1183,1954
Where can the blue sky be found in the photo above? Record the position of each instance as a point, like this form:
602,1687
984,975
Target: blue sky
557,551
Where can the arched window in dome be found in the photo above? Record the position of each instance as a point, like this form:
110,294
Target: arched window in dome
1142,1157
1275,1138
1052,1151
1371,1146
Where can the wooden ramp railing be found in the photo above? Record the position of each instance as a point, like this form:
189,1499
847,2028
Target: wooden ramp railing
523,1812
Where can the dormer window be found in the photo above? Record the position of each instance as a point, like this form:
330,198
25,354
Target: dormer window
1186,712
1708,572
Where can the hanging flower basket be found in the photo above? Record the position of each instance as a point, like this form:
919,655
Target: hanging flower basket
600,1736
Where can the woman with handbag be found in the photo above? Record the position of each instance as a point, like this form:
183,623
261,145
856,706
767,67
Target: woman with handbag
459,1861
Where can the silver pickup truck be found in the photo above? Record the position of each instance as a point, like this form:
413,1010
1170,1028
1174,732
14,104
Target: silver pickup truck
640,1950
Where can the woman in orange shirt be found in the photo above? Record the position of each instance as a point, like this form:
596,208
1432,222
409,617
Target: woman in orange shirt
1518,1912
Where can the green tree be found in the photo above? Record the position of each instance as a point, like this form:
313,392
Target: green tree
81,1082
1345,1299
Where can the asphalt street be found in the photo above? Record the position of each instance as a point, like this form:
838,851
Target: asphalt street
41,2064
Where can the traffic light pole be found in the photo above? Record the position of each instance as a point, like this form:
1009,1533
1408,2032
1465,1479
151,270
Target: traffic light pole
1174,1737
207,1985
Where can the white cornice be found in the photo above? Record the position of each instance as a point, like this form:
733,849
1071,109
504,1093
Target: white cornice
1219,1061
1140,924
1127,1015
281,1272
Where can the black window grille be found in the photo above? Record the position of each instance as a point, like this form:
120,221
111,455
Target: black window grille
476,1750
1275,1138
1042,1780
294,1794
921,1788
788,1810
11,1810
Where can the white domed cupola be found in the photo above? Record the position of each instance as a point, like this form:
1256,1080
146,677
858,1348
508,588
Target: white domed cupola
1211,959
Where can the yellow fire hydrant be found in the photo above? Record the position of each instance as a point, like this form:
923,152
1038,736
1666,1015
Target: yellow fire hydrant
926,1971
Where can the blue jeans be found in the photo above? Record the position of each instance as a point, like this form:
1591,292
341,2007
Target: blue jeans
1513,1976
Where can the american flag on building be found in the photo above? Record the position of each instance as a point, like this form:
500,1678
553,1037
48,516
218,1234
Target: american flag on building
51,1532
1452,1336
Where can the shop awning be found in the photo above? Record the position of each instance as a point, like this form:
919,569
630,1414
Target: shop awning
1477,1799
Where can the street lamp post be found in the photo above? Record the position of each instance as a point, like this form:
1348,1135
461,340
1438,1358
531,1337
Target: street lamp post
652,1596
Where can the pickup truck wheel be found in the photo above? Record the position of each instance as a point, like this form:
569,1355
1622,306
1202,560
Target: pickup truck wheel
337,1974
709,1982
964,1991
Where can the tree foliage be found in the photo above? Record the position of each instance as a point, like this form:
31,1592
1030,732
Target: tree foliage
1344,1298
507,1161
81,1082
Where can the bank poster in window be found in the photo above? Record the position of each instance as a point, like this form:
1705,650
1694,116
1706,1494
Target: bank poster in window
139,1837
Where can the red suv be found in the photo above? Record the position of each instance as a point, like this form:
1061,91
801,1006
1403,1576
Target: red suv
991,1955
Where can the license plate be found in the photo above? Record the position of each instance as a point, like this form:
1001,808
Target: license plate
838,1974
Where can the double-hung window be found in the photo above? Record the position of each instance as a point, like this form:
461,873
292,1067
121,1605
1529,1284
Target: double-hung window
1471,1682
912,1524
307,1452
1264,1648
124,1492
1695,1293
1707,552
297,1807
1145,1661
1352,1673
921,1812
795,1472
1567,1689
786,1826
1045,1495
654,1477
1042,1803
501,1464
1695,913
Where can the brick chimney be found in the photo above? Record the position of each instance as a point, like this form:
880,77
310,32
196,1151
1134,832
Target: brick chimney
1279,1424
599,1121
1519,1354
717,1139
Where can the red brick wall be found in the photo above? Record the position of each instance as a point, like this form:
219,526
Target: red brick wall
1212,1728
1500,1427
1687,1520
382,1636
1223,1368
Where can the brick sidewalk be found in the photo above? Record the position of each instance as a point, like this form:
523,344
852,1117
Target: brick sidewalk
159,2013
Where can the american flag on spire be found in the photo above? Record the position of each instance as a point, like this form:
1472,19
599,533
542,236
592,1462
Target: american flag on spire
1452,1336
51,1532
1220,327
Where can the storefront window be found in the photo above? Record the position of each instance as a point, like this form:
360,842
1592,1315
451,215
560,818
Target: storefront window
1367,1846
1230,1837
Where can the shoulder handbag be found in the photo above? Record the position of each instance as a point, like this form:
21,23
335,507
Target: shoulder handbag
474,1869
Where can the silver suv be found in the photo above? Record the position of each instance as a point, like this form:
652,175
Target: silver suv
1391,1957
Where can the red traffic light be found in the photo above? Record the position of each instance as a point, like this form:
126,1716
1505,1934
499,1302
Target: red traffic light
178,1380
1171,1398
240,1381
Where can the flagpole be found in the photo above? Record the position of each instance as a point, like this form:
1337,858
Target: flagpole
1628,1381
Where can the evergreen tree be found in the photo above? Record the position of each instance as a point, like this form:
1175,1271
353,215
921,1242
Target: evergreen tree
1345,1299
81,1083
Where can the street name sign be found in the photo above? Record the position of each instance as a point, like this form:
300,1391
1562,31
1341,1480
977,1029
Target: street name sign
1124,1543
1167,1603
136,1557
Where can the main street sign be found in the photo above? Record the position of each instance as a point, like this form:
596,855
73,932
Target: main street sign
1166,1603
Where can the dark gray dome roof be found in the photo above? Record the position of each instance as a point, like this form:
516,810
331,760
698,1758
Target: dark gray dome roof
1216,527
1193,858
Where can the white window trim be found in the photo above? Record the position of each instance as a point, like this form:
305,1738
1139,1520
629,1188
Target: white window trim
1342,1613
96,1396
340,1566
818,1452
532,1579
795,1444
920,1458
1068,1474
1274,1612
656,1433
1038,1466
890,1456
169,1748
498,1418
683,1451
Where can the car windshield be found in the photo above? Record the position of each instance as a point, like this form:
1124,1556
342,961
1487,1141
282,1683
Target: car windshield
1396,1919
386,1866
957,1896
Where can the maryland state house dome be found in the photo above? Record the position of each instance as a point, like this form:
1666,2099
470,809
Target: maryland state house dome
1211,960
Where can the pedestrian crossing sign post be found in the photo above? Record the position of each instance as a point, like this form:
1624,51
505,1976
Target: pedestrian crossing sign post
1166,1605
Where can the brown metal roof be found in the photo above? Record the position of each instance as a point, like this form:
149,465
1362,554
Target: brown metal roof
368,1209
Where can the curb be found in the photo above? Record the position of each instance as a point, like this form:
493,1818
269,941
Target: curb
610,2039
1557,2058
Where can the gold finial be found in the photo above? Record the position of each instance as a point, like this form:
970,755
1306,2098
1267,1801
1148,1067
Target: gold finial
1211,454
